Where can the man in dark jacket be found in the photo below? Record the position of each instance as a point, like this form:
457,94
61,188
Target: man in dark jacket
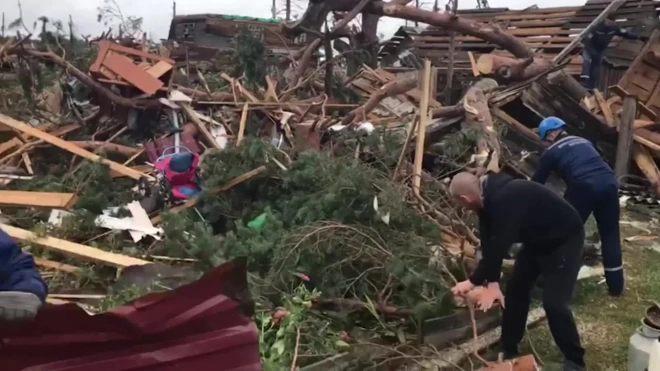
595,46
552,234
22,291
591,187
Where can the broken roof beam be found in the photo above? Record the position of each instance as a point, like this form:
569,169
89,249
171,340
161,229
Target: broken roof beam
63,144
48,200
74,249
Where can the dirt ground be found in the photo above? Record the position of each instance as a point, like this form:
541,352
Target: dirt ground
606,323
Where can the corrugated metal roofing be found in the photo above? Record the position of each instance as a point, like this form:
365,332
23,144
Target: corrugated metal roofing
196,327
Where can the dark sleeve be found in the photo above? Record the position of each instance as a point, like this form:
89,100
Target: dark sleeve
508,212
626,34
547,164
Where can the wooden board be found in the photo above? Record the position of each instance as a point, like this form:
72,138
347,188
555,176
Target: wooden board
49,200
159,69
129,71
49,264
642,79
647,166
69,248
63,144
9,145
192,115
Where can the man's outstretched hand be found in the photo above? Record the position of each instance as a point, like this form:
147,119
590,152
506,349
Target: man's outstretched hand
462,288
491,295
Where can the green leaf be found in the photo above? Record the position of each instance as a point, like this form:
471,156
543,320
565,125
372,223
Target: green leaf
279,347
340,344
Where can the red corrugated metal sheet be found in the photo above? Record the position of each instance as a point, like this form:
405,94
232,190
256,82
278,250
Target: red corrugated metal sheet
197,327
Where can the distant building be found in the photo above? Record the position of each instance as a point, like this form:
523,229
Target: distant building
203,36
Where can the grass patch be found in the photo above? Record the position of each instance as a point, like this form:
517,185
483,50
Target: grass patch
606,323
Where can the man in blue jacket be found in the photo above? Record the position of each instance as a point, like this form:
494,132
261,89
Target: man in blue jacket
22,291
591,188
595,46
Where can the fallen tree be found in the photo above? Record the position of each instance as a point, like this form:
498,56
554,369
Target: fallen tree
510,69
317,12
388,90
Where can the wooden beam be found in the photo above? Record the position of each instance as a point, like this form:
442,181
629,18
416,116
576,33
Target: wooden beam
648,144
613,7
192,115
607,111
448,358
63,144
647,166
241,126
45,263
625,136
421,128
518,127
48,200
9,145
69,248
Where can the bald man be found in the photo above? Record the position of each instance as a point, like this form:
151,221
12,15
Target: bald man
552,235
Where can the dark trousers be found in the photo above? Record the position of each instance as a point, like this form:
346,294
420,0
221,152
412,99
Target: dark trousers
591,61
559,272
601,197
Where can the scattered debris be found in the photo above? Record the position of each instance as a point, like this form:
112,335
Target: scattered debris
237,140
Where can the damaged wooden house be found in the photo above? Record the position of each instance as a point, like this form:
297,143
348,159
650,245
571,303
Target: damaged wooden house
208,37
631,69
546,31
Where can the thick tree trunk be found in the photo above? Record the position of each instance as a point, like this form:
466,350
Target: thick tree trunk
388,90
447,21
477,116
506,69
568,84
317,11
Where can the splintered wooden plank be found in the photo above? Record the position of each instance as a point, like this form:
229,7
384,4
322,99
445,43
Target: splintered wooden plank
159,69
63,144
192,115
28,163
70,248
129,71
49,200
607,112
647,165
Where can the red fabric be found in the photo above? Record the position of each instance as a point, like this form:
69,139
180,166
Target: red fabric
193,328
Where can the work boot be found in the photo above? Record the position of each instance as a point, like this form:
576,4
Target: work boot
18,306
572,366
615,282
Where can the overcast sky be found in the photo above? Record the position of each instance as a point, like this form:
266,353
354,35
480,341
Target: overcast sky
157,14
